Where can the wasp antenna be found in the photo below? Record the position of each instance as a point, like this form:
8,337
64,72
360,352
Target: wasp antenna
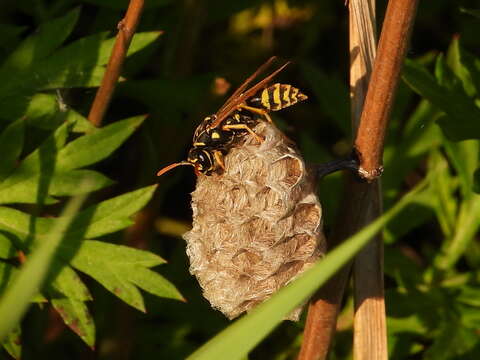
172,166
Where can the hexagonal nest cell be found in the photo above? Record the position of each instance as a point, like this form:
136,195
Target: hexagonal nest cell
256,226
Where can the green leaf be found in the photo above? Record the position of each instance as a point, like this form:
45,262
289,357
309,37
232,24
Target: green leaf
11,145
240,337
59,184
91,252
79,64
76,315
49,37
30,278
7,250
68,182
119,268
30,181
113,214
40,111
152,282
469,295
20,225
464,156
94,147
420,135
97,220
102,270
13,343
47,111
465,66
452,341
463,116
67,283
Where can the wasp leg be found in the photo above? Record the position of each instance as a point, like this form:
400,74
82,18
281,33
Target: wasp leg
245,127
256,111
219,159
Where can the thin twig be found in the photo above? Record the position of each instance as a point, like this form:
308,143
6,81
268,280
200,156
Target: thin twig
126,30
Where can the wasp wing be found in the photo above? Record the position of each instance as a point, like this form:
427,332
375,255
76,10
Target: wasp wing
238,97
247,82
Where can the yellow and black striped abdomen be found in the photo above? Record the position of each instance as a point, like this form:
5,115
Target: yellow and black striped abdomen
280,96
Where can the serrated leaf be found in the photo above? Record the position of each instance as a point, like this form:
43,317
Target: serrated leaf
26,190
113,214
40,111
69,182
91,252
152,282
33,273
79,64
119,268
30,181
67,283
45,155
13,343
48,111
11,145
97,220
20,224
76,315
108,275
41,44
463,120
38,175
94,147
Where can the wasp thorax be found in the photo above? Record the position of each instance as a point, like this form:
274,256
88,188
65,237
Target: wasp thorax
255,227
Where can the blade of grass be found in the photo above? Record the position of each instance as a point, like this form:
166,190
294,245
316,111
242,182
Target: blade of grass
240,337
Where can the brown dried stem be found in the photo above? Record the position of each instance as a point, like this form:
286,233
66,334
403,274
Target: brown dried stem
362,200
370,138
126,30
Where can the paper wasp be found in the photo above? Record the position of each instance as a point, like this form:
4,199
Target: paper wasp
217,133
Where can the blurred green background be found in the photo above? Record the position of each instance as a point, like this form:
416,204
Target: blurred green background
433,288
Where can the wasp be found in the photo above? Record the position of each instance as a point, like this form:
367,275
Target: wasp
242,111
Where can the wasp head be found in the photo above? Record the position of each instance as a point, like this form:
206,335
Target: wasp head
201,159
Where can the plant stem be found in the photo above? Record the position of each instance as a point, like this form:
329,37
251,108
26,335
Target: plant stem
395,36
126,30
362,201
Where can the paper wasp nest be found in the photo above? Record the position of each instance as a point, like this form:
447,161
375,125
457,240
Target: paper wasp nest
256,226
